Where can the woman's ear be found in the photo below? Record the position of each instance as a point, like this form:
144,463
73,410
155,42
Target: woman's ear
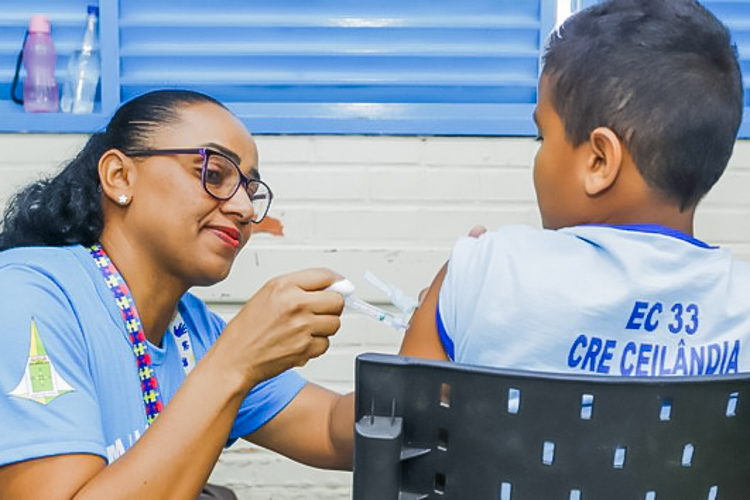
605,161
117,175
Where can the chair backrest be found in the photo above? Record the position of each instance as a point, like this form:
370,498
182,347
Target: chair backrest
438,430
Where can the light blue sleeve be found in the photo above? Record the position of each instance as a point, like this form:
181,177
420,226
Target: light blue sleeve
265,401
48,403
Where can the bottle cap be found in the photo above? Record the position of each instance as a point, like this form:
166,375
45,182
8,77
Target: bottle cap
39,23
93,9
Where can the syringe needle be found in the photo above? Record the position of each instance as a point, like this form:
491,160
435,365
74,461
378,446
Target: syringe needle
379,314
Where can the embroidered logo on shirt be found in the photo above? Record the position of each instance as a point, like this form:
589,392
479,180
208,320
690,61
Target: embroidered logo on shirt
40,382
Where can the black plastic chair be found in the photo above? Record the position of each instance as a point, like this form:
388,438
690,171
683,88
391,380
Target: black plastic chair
216,492
438,430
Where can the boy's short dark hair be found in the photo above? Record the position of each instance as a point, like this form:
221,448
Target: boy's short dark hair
664,76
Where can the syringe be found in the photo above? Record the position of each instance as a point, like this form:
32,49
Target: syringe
346,288
376,312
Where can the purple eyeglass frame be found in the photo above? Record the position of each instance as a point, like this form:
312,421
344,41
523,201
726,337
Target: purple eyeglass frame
244,180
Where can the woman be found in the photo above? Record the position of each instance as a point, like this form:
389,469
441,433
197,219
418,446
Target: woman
99,332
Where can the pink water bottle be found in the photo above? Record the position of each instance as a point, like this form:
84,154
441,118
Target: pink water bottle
40,93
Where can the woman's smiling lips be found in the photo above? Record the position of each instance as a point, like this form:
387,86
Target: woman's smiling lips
229,235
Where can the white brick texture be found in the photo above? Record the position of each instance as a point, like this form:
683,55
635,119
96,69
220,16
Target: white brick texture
392,205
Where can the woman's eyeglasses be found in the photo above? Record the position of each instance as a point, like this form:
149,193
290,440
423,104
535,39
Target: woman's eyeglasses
221,177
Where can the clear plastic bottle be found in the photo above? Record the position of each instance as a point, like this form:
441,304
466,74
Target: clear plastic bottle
40,93
84,68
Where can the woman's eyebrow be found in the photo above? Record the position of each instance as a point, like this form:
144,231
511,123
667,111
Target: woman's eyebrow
223,150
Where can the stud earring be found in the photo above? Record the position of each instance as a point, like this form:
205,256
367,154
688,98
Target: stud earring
122,199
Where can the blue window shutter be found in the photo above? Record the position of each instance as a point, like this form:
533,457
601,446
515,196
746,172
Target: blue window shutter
432,67
109,42
582,4
343,66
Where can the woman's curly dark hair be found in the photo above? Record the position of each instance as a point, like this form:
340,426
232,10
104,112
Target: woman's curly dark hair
66,209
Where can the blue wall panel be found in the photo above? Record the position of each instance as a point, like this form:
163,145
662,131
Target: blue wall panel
315,66
319,66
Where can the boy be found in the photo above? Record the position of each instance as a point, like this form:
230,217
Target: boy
639,106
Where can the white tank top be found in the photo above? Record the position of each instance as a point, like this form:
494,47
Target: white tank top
626,300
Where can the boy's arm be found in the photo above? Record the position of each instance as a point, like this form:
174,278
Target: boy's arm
422,339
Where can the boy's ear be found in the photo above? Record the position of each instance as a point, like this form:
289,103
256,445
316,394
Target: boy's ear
605,161
117,176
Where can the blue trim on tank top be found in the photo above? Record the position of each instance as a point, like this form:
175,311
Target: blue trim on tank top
447,342
658,229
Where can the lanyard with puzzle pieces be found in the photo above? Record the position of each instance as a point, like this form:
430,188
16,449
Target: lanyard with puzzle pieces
149,385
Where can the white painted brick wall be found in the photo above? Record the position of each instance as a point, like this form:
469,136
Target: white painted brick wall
392,205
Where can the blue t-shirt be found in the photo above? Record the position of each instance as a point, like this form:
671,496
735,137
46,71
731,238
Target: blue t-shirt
68,377
627,301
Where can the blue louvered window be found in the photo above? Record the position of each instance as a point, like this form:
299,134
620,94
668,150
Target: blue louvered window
432,67
582,4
